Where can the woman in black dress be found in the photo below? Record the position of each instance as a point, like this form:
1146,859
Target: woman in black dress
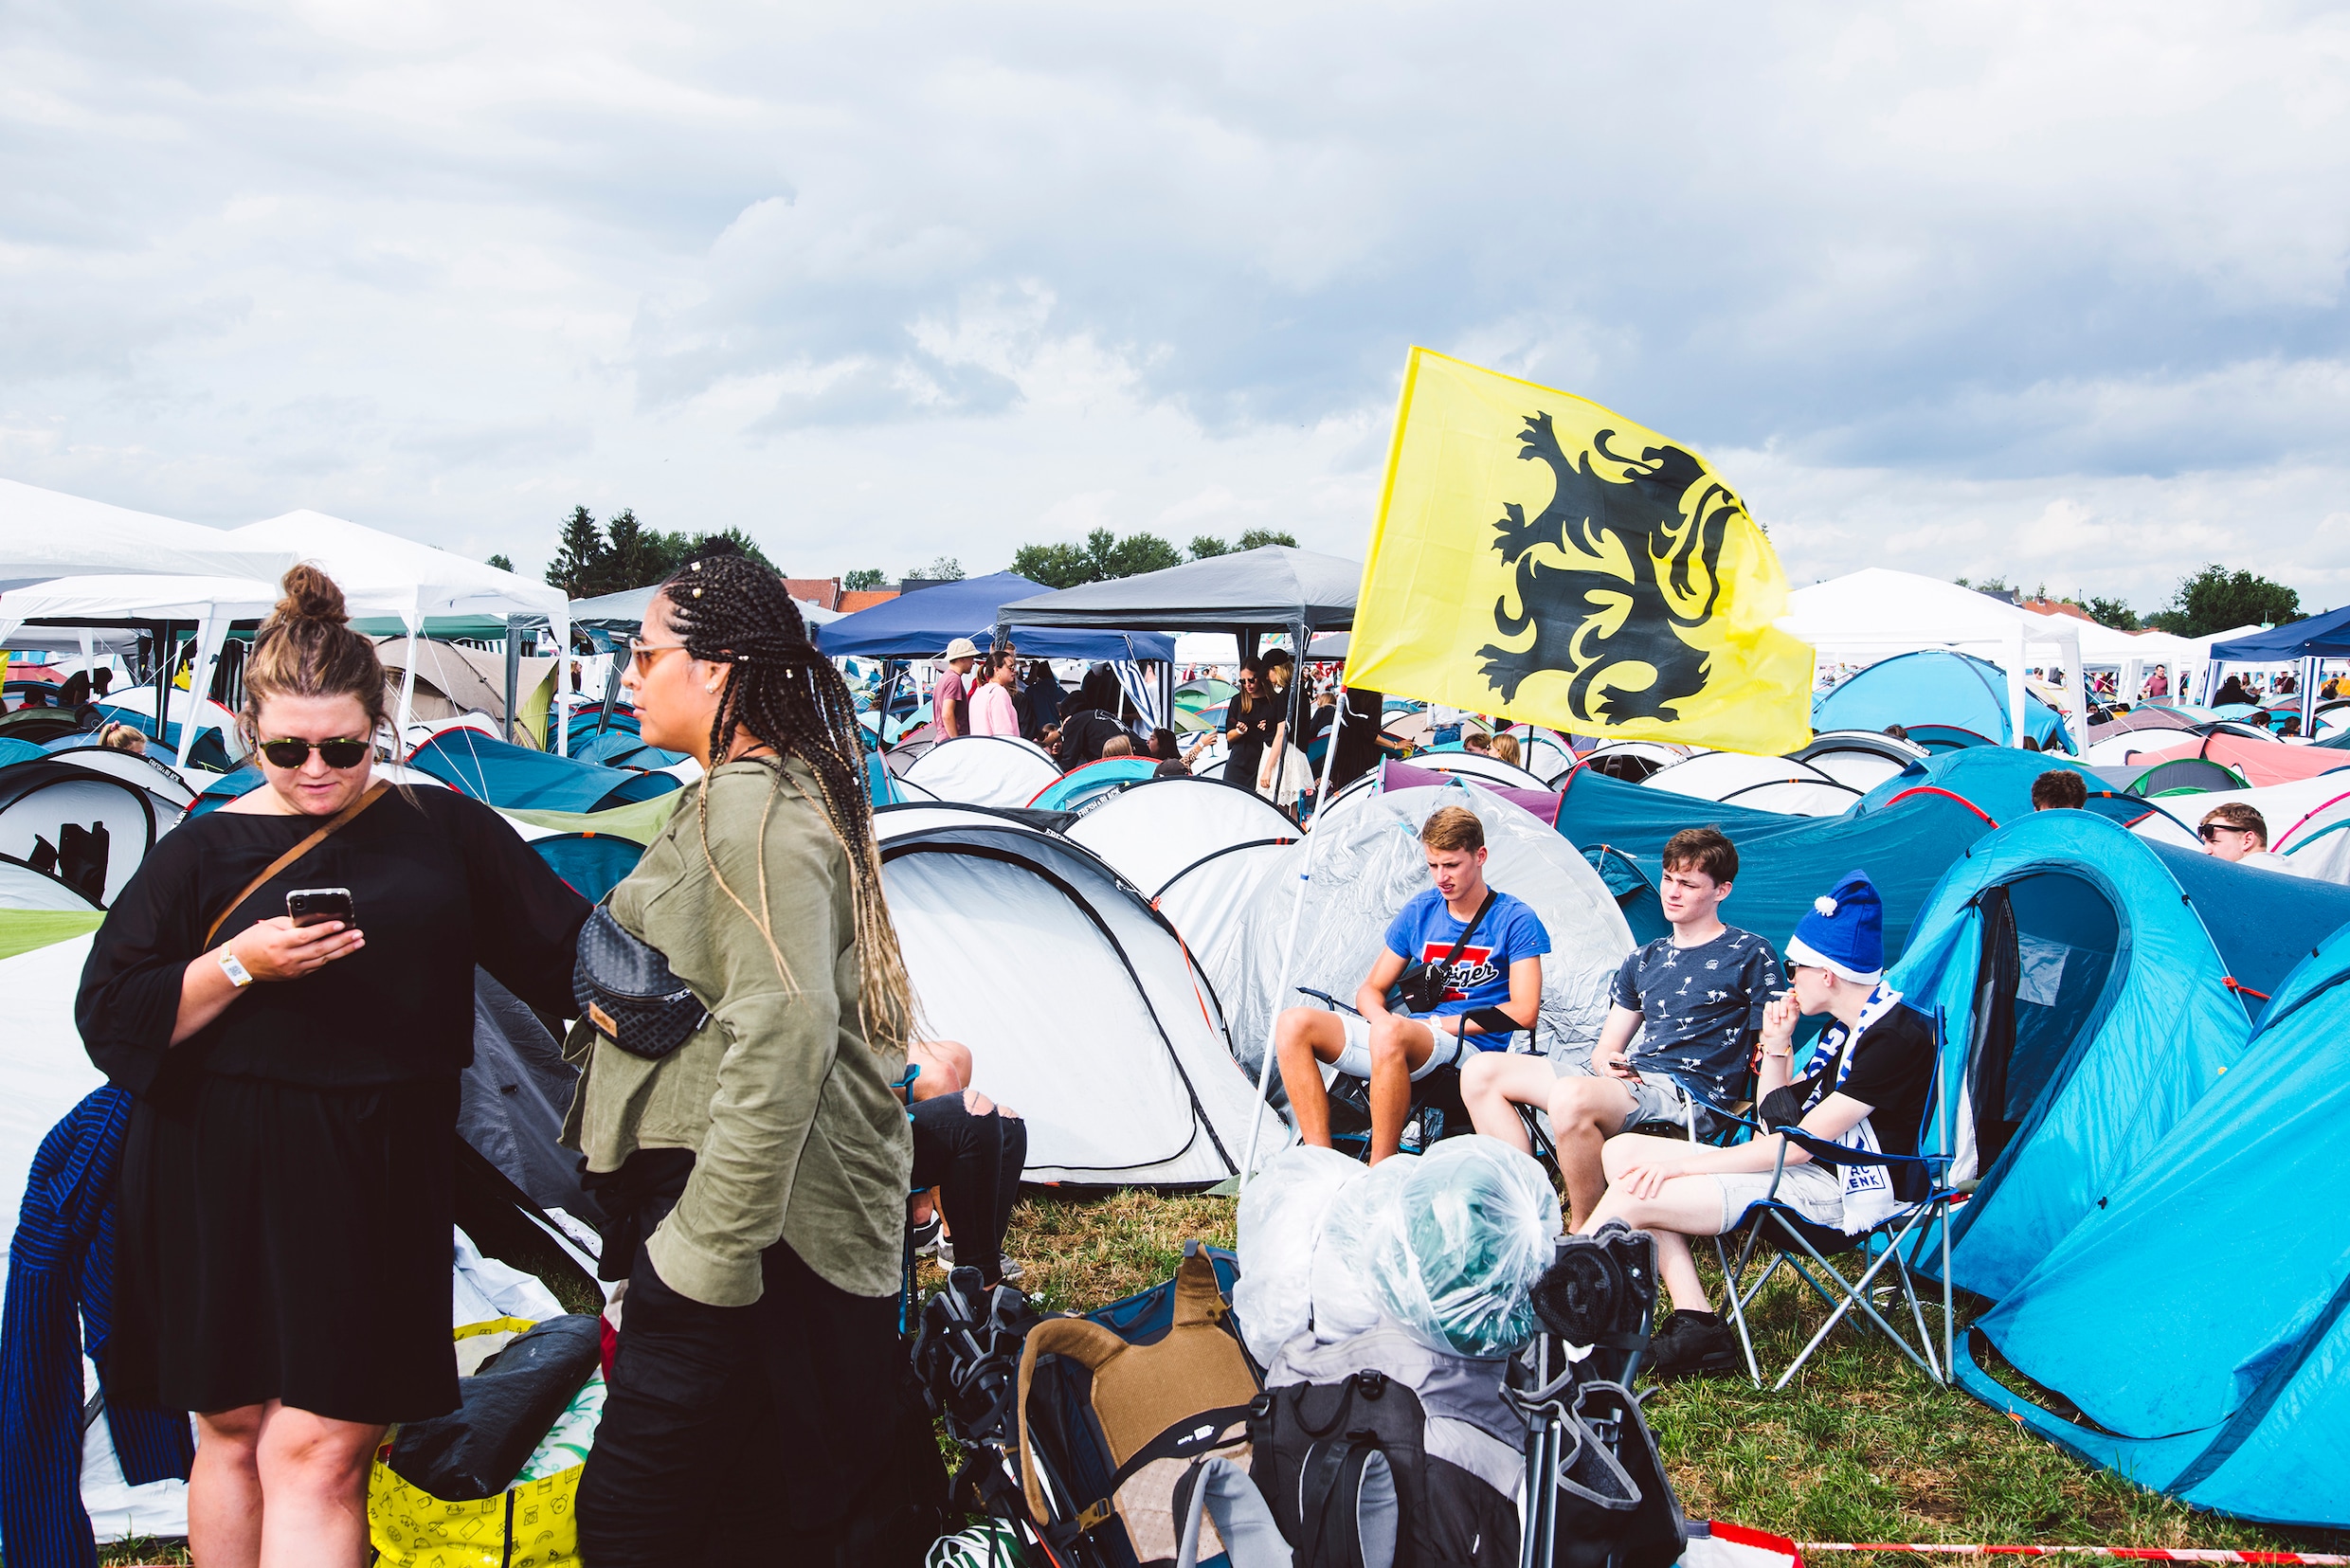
1253,722
285,1184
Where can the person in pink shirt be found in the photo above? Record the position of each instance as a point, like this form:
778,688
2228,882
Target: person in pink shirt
993,711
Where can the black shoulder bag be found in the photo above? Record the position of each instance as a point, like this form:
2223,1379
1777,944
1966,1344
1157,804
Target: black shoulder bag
1421,985
624,987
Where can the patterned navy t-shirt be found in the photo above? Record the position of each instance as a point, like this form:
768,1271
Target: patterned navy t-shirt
1698,1004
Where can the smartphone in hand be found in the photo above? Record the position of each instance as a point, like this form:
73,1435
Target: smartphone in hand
311,905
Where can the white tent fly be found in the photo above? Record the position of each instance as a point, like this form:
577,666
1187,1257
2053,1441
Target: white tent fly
1546,756
1477,764
1126,1078
1633,761
148,772
1373,863
41,801
23,888
1150,832
984,770
1718,775
1861,758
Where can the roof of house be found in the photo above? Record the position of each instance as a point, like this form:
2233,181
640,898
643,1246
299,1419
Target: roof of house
863,598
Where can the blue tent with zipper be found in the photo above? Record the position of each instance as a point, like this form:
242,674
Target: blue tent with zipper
503,775
1784,861
1936,687
2090,988
2199,1314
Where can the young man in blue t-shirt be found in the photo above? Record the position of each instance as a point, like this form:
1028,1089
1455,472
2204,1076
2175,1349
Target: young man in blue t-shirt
1494,988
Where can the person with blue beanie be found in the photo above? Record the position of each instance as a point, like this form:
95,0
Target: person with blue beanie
1871,1074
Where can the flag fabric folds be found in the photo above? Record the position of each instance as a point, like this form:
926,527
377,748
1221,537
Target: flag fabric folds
1540,558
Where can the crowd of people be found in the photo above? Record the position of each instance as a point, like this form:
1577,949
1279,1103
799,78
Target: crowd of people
762,1138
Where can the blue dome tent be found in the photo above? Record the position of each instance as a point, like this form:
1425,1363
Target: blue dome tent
2250,1413
1937,688
504,775
2091,987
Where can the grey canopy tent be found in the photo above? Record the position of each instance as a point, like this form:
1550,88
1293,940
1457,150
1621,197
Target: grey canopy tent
1250,594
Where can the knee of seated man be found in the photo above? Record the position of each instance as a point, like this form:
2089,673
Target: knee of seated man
1592,1100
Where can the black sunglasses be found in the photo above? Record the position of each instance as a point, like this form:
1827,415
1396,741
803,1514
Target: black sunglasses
338,753
2213,830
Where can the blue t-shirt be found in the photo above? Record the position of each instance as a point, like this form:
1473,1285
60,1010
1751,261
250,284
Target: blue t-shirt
1424,931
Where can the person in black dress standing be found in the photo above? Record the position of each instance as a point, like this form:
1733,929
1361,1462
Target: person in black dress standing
285,1183
1253,720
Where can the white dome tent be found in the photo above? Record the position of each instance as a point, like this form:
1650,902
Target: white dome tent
1150,832
1764,784
984,770
1134,1084
1372,863
1859,758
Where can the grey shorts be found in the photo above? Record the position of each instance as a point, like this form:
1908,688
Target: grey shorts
1656,1097
1813,1190
1355,1060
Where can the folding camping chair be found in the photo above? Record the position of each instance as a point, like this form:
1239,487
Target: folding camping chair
1807,1249
1437,1109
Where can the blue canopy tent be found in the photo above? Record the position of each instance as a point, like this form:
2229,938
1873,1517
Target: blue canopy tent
504,775
1784,861
2303,641
920,624
2091,986
2197,1314
1936,687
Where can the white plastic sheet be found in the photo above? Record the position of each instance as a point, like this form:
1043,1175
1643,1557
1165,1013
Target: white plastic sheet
1280,1221
1452,1246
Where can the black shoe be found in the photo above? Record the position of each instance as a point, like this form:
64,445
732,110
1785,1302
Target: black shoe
1693,1344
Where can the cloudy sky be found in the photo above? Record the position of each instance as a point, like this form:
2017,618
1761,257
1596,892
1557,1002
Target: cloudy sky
2055,292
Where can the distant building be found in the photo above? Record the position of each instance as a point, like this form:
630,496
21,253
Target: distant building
916,584
823,593
863,598
2057,606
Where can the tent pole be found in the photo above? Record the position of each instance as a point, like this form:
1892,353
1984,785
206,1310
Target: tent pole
209,634
2309,697
559,622
2016,714
2080,696
407,685
1288,943
513,670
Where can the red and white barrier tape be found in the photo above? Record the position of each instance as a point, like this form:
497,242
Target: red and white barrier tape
2148,1554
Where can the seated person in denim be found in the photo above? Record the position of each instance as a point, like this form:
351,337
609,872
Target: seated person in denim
1868,1090
1493,989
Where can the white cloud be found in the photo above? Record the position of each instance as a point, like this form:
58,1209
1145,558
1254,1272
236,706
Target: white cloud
1984,287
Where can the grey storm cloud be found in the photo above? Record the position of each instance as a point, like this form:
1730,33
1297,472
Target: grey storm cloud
1116,263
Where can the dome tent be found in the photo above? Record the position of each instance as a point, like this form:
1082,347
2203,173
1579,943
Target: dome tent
2091,987
2251,1414
1936,687
984,770
1372,864
1130,1079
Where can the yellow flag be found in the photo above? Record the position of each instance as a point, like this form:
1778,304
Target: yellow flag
1542,559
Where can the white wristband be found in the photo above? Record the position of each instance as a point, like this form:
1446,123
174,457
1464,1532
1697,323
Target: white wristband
239,976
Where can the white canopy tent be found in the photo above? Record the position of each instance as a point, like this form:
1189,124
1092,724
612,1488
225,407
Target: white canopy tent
1877,612
383,574
47,533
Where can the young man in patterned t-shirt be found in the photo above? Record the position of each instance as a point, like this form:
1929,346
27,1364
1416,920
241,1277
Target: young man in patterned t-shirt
1696,1000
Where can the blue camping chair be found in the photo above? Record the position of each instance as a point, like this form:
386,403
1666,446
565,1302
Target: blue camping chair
1807,1249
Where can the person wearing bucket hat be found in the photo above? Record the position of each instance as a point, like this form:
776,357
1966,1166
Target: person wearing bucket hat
1871,1072
950,699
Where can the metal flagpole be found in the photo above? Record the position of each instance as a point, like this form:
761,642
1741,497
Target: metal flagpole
1289,943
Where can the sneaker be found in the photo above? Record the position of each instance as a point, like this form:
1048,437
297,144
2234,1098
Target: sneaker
925,1238
1693,1344
1010,1272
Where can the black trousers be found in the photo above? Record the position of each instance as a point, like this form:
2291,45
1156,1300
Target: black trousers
768,1433
974,1162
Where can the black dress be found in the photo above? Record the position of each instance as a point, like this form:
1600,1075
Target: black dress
285,1183
1248,753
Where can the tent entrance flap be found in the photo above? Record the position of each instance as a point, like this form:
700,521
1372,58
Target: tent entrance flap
2050,945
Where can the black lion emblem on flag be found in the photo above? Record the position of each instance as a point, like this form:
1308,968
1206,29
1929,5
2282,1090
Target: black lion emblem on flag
1634,547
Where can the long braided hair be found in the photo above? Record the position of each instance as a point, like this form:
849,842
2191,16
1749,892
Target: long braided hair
728,609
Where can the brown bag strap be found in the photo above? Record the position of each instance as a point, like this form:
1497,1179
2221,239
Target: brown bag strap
311,842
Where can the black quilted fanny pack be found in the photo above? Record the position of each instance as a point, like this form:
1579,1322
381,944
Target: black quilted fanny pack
624,987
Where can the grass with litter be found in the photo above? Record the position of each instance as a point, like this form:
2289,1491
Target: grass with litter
1863,1447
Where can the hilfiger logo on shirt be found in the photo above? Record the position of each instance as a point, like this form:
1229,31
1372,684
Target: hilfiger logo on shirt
1475,966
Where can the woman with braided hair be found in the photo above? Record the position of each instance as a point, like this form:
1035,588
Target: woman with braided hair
754,1176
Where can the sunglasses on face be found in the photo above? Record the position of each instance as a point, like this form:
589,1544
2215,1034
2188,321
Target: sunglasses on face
645,653
2211,831
338,754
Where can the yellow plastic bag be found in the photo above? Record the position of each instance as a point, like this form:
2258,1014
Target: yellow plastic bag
528,1526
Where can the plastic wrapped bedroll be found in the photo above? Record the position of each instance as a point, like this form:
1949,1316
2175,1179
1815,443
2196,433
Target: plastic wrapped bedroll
477,1449
1451,1246
1280,1230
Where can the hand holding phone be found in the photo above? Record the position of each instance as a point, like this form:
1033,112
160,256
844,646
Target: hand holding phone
315,906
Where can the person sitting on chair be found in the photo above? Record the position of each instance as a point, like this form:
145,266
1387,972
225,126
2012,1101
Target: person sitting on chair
1492,987
1871,1073
968,1155
1696,999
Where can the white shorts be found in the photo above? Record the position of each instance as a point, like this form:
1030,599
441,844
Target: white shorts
1355,1060
1813,1190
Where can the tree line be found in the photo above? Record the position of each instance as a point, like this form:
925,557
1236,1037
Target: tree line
1104,556
2205,602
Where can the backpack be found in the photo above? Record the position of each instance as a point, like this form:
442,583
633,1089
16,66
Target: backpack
1377,1450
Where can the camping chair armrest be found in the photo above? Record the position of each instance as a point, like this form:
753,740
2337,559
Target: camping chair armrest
1329,999
1828,1152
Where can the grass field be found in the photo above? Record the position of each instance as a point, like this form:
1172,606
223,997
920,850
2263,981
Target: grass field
1863,1447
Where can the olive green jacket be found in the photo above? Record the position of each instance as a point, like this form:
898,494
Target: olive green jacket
796,1128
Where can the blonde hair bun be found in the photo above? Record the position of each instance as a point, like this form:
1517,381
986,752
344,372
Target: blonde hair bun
311,595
